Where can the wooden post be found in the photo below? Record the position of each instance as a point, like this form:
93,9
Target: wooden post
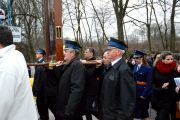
58,29
46,27
53,29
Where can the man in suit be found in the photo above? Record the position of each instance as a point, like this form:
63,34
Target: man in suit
119,88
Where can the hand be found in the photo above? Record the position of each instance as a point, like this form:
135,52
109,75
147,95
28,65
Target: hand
165,85
177,89
142,97
127,60
58,63
178,68
67,116
34,97
99,63
133,62
83,61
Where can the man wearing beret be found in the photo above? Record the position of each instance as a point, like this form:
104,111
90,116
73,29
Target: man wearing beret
71,84
119,88
16,95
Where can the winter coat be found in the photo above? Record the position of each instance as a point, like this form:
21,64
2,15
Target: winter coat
118,92
70,88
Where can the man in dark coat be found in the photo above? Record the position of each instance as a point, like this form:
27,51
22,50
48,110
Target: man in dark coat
71,84
38,86
119,88
91,84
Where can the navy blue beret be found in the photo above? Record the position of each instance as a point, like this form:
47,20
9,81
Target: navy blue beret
72,45
40,51
138,53
117,44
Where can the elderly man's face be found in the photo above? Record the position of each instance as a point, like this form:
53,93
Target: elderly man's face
69,54
106,59
114,53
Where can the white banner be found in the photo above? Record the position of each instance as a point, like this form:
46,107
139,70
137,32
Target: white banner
16,31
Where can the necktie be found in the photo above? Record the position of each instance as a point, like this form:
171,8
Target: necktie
137,68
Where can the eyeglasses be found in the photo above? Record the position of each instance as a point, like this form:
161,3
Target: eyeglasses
136,57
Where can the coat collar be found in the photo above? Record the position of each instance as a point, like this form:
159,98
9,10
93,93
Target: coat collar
75,59
41,60
116,65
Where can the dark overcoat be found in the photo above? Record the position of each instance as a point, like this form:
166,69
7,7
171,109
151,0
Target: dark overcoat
70,89
39,80
163,98
91,80
118,92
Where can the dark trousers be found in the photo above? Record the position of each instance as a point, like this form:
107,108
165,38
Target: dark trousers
89,106
42,108
141,108
164,114
76,117
45,103
51,103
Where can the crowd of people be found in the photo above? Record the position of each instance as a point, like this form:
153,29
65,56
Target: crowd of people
114,88
155,84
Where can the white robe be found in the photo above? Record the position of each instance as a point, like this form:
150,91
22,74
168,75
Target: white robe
16,99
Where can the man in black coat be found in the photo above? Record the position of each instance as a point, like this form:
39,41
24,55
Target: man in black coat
91,84
71,84
119,88
38,86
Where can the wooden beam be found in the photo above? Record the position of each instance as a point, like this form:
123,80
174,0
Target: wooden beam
58,29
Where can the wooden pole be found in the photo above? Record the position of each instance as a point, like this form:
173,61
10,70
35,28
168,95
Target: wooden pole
58,29
46,28
53,29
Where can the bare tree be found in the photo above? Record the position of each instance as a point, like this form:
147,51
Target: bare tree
101,23
120,10
173,31
148,14
29,16
88,25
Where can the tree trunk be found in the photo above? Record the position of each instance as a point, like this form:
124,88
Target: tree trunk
120,29
149,36
173,34
120,13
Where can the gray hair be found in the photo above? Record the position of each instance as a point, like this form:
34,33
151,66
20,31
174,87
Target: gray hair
74,50
123,51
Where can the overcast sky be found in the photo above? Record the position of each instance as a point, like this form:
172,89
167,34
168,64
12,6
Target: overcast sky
139,14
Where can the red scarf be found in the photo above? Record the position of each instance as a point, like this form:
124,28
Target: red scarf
165,68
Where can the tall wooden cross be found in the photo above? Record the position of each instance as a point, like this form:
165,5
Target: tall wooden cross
53,29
